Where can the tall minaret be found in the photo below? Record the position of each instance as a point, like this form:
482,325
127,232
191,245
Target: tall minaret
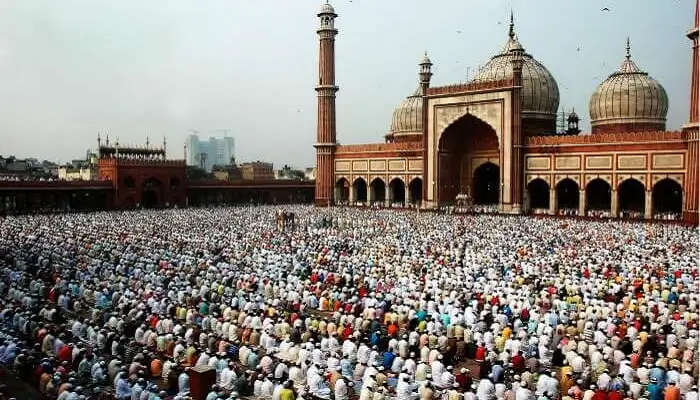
424,74
692,134
325,129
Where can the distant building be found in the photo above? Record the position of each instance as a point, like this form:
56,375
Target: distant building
227,172
257,171
310,174
80,170
207,154
289,173
82,173
12,168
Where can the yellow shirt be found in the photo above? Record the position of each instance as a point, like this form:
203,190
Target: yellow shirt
286,394
506,333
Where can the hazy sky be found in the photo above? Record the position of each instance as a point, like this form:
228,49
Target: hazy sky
70,68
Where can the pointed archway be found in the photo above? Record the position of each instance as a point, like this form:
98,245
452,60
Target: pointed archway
397,192
598,195
631,198
538,193
567,195
415,189
342,191
458,147
377,191
151,193
359,188
667,199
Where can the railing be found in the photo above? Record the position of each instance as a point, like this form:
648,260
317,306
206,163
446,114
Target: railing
55,184
266,184
397,146
470,87
140,162
605,138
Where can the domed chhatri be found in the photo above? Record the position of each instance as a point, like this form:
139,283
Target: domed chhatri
628,101
540,93
326,8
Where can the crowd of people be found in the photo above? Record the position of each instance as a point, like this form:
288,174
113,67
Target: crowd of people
369,304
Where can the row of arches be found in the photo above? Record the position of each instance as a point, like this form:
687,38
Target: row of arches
379,193
666,196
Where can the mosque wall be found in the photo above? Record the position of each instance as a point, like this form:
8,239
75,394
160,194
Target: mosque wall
614,163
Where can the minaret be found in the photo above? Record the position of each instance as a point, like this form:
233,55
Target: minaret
424,74
325,128
693,36
690,130
516,169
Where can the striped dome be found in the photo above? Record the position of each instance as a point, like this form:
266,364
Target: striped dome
408,116
631,98
540,93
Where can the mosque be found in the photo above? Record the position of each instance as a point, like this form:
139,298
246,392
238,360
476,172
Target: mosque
493,141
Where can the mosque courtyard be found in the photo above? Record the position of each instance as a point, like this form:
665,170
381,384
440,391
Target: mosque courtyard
347,302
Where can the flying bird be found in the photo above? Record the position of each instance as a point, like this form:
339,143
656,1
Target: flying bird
458,31
605,9
578,48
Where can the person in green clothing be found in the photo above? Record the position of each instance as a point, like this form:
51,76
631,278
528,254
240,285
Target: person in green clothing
287,392
204,308
252,361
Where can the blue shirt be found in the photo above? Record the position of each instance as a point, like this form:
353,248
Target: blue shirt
388,360
123,389
656,391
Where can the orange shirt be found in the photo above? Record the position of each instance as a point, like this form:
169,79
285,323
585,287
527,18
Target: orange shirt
672,393
156,367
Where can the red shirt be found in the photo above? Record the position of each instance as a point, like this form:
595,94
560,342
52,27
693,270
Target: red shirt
65,354
600,395
480,354
615,395
518,363
392,330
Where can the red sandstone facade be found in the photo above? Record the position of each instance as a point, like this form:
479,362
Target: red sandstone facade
690,132
476,139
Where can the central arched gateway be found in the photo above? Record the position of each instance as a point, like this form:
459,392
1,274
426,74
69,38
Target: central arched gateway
465,153
152,193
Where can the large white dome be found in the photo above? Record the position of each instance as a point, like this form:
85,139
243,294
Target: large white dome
540,93
628,100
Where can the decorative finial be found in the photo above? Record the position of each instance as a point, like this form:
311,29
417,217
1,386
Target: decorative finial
628,48
511,31
99,140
